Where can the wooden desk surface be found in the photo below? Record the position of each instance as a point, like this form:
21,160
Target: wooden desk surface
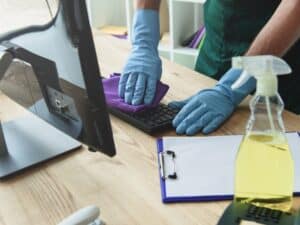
125,187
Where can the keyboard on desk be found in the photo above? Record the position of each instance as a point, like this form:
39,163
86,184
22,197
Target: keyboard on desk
150,121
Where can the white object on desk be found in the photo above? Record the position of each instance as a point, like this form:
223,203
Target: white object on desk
205,167
86,216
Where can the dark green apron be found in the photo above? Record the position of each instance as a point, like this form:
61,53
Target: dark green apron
231,26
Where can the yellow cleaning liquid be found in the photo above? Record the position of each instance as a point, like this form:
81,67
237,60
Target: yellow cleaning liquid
265,171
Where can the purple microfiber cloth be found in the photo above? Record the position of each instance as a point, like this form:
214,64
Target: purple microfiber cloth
110,86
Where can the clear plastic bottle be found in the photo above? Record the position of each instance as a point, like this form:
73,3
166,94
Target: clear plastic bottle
264,165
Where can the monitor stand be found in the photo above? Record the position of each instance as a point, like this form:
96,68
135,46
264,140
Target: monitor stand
27,141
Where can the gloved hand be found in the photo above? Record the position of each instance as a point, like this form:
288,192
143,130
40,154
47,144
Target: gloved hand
143,69
208,109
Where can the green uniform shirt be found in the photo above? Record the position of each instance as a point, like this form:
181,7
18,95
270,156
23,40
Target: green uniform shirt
231,27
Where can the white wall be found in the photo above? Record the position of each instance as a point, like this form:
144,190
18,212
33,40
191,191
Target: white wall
100,12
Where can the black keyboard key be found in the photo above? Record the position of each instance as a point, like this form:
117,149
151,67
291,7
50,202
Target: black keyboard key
264,212
276,214
150,121
252,210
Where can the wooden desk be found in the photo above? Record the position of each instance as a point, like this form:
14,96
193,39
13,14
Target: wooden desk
126,187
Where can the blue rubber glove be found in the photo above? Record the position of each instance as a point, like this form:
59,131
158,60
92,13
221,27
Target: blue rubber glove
208,109
143,69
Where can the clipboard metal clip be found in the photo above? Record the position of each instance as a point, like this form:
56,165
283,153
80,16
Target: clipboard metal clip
162,159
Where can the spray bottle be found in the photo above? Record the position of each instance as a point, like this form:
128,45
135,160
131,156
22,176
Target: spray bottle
264,165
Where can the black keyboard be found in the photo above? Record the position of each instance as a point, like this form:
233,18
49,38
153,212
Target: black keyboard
150,121
240,213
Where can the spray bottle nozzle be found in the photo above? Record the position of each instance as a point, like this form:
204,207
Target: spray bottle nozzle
263,68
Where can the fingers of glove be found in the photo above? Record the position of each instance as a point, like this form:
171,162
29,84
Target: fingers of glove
139,92
191,119
205,119
213,125
122,84
150,90
130,87
185,111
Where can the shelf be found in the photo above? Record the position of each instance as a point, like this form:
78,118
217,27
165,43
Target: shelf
182,27
164,48
165,54
185,59
187,51
165,42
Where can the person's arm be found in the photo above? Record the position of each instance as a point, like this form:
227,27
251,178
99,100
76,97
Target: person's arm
143,68
208,109
148,4
280,33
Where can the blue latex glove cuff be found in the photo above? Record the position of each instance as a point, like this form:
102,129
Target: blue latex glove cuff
145,40
236,96
143,68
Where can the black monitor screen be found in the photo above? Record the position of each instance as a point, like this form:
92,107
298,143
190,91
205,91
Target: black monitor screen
55,75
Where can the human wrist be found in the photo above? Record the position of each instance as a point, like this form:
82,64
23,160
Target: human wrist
148,4
236,96
144,57
146,29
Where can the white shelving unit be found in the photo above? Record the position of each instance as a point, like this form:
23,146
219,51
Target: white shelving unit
186,16
179,18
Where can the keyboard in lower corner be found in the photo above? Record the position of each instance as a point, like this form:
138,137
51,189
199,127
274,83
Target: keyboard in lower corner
150,121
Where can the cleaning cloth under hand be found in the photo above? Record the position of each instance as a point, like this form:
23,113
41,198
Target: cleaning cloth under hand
111,85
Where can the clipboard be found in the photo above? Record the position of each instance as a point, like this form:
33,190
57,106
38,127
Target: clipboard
213,179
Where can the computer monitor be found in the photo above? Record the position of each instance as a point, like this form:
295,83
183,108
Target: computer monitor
60,83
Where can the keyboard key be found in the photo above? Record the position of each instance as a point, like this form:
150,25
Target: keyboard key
252,210
150,121
276,214
264,212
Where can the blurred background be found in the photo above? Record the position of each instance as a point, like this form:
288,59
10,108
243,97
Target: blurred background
181,22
